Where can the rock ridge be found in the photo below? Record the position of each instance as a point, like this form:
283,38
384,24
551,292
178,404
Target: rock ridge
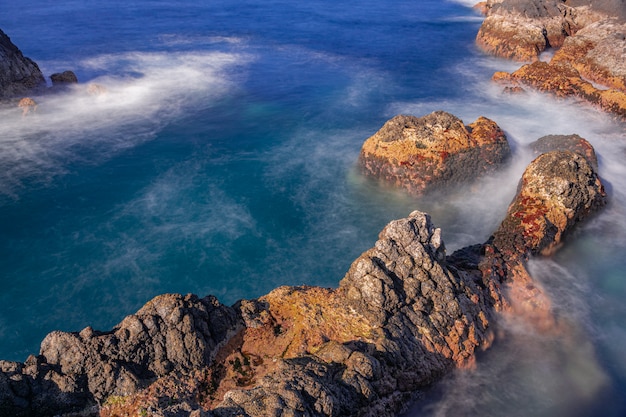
19,75
405,314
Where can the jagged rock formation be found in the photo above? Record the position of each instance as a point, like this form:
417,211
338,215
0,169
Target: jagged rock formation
592,41
18,75
522,29
404,315
435,150
75,370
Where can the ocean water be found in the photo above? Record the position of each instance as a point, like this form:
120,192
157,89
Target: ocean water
221,160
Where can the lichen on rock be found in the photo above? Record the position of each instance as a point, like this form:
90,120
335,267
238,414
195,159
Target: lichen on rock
433,151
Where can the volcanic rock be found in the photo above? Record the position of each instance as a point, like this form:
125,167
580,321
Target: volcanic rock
563,80
522,29
598,52
404,315
591,42
420,153
75,370
63,78
572,143
19,75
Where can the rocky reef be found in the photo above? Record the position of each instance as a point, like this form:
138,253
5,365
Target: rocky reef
18,75
404,315
433,151
589,39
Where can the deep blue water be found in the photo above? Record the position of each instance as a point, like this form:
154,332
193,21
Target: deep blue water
221,161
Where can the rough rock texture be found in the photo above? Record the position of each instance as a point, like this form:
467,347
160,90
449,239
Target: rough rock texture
598,52
65,77
420,153
522,29
404,315
18,75
591,41
572,143
170,333
563,80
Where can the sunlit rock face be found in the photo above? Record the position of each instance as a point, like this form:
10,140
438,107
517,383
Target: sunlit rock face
18,75
590,38
404,315
436,150
522,29
598,52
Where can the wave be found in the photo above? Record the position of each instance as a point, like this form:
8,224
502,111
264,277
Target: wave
140,93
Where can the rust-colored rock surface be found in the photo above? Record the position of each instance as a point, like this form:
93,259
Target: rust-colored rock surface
420,153
404,315
563,80
522,29
590,42
598,52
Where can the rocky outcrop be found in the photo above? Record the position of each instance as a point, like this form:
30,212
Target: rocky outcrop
19,75
522,29
63,78
404,315
75,370
590,38
421,153
563,80
598,53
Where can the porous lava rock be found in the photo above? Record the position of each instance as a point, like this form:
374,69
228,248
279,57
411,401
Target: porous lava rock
404,315
19,75
422,153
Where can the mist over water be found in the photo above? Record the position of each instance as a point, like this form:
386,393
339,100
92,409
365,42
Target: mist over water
221,160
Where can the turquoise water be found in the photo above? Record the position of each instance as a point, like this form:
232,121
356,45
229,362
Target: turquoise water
221,161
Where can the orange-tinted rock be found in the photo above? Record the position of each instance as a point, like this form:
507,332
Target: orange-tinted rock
598,52
403,316
420,153
557,190
27,105
563,80
522,29
592,41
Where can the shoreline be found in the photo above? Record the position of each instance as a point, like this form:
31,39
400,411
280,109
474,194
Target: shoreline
255,322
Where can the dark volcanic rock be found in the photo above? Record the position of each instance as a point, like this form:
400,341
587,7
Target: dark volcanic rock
63,78
73,370
557,190
19,75
572,143
420,153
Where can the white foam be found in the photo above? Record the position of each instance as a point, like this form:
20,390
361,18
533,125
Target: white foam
152,90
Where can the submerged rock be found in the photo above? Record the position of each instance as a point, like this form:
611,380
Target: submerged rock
420,153
19,75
